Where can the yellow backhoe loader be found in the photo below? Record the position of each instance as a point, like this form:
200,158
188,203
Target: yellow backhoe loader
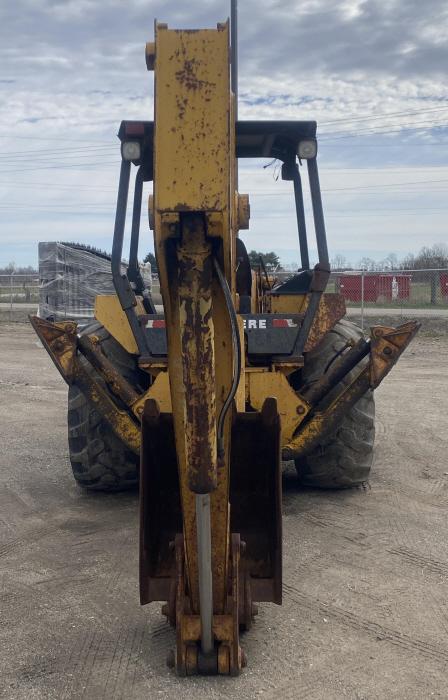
201,403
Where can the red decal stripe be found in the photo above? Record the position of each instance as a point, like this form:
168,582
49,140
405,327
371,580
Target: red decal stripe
151,323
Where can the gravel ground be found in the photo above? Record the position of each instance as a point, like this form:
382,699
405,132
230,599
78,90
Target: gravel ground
365,611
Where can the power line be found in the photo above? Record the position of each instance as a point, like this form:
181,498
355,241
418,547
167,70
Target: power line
385,115
398,129
376,170
271,193
101,152
366,169
50,138
56,160
107,206
386,184
389,145
70,153
46,151
72,188
369,215
66,166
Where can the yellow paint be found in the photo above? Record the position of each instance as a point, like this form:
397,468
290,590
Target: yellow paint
191,129
262,385
160,391
194,167
109,313
287,303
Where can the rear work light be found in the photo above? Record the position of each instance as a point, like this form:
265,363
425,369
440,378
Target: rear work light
130,150
307,149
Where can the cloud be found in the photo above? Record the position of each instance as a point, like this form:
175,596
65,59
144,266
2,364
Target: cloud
82,70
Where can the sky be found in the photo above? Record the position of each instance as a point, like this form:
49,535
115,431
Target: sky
372,73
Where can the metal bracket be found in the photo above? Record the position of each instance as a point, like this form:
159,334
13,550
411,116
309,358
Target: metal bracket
227,657
386,346
61,342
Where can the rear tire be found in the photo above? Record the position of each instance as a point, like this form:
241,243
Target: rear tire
344,458
100,460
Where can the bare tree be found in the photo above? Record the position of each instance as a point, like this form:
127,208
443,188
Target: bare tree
367,264
339,262
435,257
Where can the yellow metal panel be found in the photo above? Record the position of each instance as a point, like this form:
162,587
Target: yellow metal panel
109,313
287,303
192,156
291,408
194,171
160,391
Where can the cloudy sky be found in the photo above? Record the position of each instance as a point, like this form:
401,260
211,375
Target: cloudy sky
372,72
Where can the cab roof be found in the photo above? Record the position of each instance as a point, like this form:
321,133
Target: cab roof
254,139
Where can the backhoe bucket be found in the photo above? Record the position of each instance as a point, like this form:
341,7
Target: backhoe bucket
255,507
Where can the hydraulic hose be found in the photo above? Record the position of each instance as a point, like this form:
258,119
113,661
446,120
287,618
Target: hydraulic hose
236,346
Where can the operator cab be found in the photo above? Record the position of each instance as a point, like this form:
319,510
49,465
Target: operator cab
285,141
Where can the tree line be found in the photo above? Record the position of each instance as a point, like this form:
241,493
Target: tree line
429,257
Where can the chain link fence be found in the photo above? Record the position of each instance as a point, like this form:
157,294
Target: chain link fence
402,293
19,296
398,293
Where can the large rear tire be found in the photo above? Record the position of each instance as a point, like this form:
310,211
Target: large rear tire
344,458
100,460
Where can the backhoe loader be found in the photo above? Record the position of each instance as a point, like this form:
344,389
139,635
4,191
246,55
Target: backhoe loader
201,401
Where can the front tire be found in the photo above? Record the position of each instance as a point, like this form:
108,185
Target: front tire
100,460
344,458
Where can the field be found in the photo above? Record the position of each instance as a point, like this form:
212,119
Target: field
365,611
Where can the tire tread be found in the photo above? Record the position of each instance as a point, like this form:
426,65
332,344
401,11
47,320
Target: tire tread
344,458
99,460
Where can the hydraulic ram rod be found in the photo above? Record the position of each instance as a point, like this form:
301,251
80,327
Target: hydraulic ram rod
204,535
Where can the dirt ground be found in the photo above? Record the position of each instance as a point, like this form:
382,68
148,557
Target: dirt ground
365,611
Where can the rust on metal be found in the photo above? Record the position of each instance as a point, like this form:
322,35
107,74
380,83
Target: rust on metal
243,209
331,309
193,137
196,212
59,340
337,371
160,507
387,344
198,353
323,423
227,657
292,407
115,381
255,458
159,391
119,420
